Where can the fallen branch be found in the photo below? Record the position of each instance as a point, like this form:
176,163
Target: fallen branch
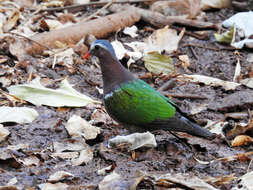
100,28
159,20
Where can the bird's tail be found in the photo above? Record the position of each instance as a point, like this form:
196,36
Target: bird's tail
195,129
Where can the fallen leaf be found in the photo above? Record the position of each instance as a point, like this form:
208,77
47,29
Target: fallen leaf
51,186
215,4
30,161
103,171
17,114
74,145
157,63
242,140
245,181
185,60
38,95
164,39
85,157
220,180
12,21
76,126
237,71
59,175
227,85
227,37
131,31
4,132
134,141
247,82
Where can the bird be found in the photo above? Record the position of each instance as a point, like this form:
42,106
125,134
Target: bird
134,103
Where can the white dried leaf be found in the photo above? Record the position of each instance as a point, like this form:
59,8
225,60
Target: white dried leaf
135,140
247,82
12,21
12,181
78,127
38,95
189,181
55,186
85,157
74,145
17,114
227,85
245,182
164,39
30,161
65,155
108,182
131,31
17,147
60,175
237,71
195,109
53,24
4,132
103,170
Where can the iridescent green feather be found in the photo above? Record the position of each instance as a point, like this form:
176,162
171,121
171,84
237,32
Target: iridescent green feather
136,103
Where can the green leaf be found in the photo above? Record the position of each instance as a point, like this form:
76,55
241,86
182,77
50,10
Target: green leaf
227,37
38,95
157,63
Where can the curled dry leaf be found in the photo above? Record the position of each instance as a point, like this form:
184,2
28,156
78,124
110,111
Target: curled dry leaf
247,82
85,157
185,60
60,175
30,161
105,170
131,31
135,140
76,126
242,140
4,132
75,145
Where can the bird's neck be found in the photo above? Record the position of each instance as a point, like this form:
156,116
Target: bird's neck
113,73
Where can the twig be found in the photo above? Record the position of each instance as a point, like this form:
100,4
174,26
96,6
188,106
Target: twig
98,11
198,36
194,53
167,85
191,96
76,8
206,47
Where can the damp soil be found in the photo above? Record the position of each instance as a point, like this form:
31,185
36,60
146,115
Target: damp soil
170,156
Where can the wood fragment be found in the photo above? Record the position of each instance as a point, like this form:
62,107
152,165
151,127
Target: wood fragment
159,20
190,96
100,28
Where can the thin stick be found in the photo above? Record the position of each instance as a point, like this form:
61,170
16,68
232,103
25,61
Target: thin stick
98,11
191,96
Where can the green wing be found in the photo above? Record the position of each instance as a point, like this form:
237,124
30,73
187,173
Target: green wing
136,103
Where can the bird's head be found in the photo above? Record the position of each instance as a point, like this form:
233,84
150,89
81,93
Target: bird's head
100,48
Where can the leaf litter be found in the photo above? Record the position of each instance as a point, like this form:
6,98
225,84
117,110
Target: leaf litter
45,146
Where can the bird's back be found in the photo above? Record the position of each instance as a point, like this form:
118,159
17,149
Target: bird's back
136,103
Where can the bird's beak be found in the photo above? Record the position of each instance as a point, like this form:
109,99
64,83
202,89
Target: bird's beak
86,55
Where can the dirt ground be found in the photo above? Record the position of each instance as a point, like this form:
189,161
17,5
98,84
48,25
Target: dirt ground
170,156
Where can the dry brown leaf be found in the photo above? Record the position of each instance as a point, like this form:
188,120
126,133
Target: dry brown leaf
12,21
182,8
242,140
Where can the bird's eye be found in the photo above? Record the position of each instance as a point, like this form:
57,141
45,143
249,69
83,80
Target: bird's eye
96,47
